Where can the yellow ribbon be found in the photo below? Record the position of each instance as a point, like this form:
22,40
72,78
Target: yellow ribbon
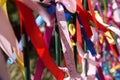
72,29
114,68
21,65
3,5
110,37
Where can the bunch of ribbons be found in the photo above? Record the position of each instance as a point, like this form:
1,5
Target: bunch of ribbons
87,33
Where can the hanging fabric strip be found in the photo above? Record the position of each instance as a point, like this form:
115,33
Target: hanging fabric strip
65,41
79,37
84,19
8,40
37,40
89,43
47,37
87,17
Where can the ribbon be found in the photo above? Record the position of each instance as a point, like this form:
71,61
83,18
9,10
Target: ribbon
92,11
87,17
65,41
49,11
84,18
47,37
88,41
112,28
8,41
37,40
103,28
63,30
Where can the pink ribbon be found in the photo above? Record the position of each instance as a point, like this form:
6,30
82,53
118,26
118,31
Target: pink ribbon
66,46
8,41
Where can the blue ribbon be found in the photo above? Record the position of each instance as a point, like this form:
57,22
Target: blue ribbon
89,43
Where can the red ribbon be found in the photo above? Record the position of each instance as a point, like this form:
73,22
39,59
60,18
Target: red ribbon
37,40
47,37
84,18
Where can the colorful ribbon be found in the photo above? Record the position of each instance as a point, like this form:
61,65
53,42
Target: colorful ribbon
47,37
37,40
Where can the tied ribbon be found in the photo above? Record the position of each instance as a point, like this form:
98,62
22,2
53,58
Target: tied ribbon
37,40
